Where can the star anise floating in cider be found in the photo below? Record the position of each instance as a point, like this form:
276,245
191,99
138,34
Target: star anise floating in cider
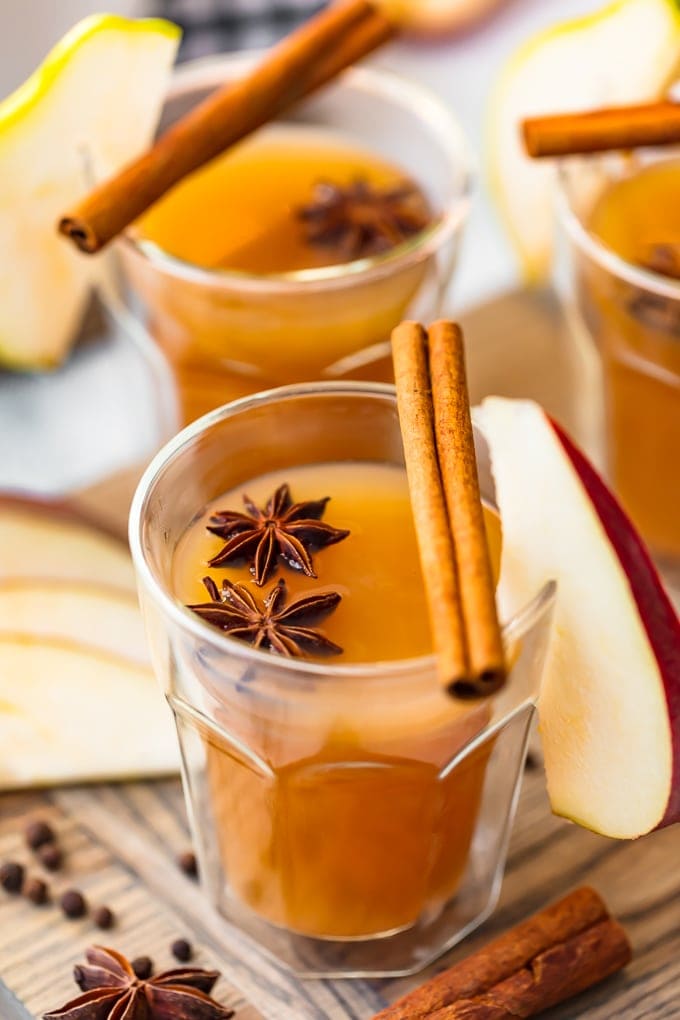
360,220
270,624
112,991
281,530
662,258
654,310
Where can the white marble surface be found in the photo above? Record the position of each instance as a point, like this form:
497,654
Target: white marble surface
61,431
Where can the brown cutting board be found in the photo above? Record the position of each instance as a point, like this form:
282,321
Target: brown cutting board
121,840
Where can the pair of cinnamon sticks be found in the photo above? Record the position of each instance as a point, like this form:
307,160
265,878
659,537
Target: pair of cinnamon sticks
554,955
439,452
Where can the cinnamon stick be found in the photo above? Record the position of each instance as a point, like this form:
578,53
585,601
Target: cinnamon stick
546,959
550,978
434,414
618,127
435,546
458,466
307,59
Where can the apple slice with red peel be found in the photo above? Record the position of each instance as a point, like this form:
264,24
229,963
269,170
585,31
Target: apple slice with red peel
609,707
80,611
44,540
70,712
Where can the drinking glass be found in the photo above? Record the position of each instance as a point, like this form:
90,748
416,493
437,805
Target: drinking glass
352,819
227,333
630,317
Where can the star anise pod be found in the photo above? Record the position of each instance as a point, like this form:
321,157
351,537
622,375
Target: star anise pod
111,991
271,623
662,258
281,529
360,220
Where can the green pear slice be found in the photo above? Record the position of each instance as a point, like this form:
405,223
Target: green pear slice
92,105
80,611
70,712
626,52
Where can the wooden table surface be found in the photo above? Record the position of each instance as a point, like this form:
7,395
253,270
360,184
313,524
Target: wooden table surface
121,840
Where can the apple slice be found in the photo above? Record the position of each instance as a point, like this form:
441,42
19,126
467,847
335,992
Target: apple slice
93,103
69,712
77,611
609,707
43,540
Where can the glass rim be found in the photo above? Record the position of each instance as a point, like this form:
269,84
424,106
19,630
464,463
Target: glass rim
430,109
608,258
513,629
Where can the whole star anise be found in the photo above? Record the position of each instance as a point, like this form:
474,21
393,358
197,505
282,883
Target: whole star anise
662,258
271,623
360,220
281,529
111,991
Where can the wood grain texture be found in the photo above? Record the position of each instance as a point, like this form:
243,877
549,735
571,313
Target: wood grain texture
121,841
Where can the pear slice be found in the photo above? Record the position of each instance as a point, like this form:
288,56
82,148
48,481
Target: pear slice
609,706
70,712
90,107
79,611
44,540
627,52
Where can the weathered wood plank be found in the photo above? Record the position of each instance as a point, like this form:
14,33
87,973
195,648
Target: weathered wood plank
121,843
38,946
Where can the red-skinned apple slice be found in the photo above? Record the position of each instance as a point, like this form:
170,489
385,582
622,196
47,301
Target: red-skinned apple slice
609,708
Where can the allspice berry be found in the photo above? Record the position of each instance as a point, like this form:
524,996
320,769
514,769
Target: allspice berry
73,903
142,966
103,918
181,950
188,864
50,856
11,876
37,833
36,891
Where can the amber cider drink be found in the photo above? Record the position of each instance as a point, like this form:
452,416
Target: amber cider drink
636,328
247,219
340,830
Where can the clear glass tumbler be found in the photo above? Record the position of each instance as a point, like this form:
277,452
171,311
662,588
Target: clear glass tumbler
630,317
227,333
352,819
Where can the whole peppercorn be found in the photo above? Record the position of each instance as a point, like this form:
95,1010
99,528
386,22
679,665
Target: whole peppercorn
142,966
103,918
50,856
11,876
181,950
37,833
73,903
36,891
188,864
